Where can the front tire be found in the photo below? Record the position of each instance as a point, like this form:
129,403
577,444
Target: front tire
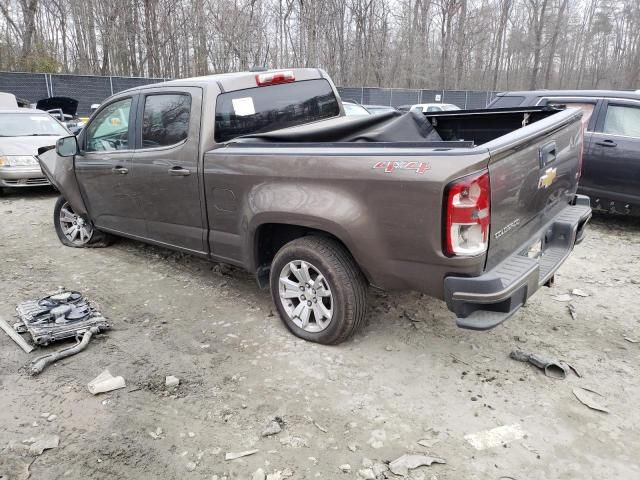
75,231
318,290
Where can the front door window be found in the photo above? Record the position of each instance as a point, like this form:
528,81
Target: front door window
109,131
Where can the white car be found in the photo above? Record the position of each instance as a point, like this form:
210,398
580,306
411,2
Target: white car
429,107
352,109
22,132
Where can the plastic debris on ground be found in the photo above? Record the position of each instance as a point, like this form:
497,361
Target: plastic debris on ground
495,437
105,382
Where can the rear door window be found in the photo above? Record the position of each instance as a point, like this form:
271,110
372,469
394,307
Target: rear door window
622,120
264,109
165,120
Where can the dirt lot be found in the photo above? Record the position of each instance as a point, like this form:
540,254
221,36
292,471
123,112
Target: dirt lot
409,375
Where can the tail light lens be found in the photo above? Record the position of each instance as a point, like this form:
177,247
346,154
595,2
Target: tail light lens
271,78
468,215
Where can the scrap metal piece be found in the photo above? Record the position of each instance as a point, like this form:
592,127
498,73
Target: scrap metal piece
59,316
15,336
582,394
402,465
552,368
234,455
40,363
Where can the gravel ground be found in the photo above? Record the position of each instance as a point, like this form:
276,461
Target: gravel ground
410,375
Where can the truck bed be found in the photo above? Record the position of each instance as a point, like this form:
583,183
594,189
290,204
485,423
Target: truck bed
459,129
384,199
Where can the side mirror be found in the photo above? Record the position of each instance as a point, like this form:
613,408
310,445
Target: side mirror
67,146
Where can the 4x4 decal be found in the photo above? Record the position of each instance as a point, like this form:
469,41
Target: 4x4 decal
390,166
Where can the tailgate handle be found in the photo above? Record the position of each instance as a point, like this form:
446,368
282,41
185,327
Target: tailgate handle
547,154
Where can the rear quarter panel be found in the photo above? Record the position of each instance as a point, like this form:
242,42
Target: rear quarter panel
390,221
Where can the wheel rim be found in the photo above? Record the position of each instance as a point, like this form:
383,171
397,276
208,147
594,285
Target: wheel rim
74,227
305,296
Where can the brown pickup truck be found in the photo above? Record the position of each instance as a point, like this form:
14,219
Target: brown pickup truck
264,171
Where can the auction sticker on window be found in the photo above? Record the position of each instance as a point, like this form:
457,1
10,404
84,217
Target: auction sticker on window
243,106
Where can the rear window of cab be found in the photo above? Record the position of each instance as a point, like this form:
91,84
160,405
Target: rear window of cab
272,107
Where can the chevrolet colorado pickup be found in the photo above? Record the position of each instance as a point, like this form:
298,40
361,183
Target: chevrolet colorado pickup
265,171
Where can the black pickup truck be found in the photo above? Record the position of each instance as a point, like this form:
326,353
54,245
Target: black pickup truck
611,174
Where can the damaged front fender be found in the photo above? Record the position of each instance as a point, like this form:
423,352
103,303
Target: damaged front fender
60,172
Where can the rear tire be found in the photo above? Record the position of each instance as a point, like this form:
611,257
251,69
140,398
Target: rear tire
75,231
318,289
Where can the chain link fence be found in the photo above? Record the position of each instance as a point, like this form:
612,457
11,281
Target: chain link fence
90,89
87,89
394,97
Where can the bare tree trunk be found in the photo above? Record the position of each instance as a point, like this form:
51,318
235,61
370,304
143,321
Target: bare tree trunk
554,42
538,12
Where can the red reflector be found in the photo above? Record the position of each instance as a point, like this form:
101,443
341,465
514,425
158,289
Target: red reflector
467,215
270,78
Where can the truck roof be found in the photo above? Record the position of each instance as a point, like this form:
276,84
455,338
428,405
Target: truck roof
631,94
228,82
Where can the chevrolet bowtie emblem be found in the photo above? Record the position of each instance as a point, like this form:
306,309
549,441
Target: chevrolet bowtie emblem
547,179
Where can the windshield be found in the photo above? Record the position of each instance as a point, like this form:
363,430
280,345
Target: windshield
450,107
29,124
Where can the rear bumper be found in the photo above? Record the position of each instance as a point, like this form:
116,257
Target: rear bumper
22,177
483,302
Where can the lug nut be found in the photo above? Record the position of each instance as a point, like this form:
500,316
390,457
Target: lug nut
309,304
302,297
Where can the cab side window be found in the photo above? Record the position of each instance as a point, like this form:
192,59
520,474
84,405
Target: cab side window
165,120
622,120
110,129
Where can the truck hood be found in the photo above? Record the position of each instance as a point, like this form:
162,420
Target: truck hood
25,145
69,106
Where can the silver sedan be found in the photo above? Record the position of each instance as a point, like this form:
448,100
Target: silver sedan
22,132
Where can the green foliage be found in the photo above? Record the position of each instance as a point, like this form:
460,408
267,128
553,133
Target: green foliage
39,62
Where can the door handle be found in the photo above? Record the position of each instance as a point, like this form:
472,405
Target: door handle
607,143
179,172
120,170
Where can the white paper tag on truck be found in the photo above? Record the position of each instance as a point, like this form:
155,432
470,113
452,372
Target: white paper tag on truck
243,106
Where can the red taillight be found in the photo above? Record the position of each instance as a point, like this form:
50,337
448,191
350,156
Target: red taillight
468,215
271,78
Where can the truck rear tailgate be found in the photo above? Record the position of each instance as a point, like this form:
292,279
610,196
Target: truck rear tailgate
533,177
536,219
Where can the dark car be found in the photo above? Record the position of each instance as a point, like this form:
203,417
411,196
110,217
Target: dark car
611,118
